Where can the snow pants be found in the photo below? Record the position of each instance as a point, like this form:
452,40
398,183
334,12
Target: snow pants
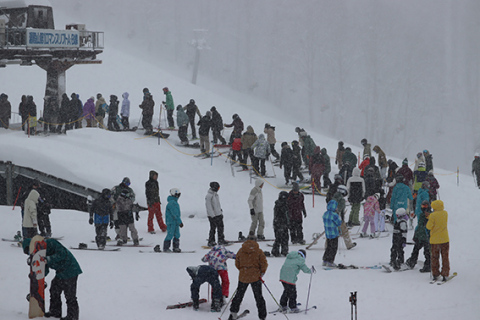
257,293
280,246
146,122
182,133
69,288
171,124
247,153
354,214
331,250
123,232
396,252
204,144
379,220
216,224
225,282
289,295
191,121
257,220
287,173
206,274
217,135
259,166
125,123
416,250
44,225
368,220
296,231
437,250
296,172
173,232
346,236
273,151
101,234
155,210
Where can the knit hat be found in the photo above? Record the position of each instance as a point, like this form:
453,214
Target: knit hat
295,187
405,161
214,185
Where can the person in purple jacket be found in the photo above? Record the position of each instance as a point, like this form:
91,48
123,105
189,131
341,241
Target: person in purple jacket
89,111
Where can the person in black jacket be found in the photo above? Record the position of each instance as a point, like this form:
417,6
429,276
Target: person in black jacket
75,115
32,113
217,126
112,114
204,126
101,213
191,109
153,201
237,125
286,160
297,161
64,114
281,221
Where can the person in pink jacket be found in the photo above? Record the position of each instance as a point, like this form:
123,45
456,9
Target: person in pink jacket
217,259
370,207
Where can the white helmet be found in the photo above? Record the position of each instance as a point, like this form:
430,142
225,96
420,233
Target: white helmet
175,192
343,190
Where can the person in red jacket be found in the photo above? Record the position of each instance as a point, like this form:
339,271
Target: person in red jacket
237,149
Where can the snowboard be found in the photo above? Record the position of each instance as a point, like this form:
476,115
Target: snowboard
289,311
152,251
315,239
195,145
37,259
96,249
109,240
184,305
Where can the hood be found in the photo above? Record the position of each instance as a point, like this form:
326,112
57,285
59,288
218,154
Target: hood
172,199
152,173
332,205
193,271
90,100
317,150
250,246
356,172
259,182
377,149
437,205
324,151
261,136
125,95
371,199
250,129
33,196
294,255
102,100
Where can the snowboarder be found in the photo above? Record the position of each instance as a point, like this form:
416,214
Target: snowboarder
252,265
349,161
174,222
101,213
400,196
366,147
67,271
331,221
147,107
280,225
217,126
214,214
182,123
339,155
370,208
421,238
392,167
476,168
296,211
255,203
356,193
261,151
204,125
248,139
439,240
297,161
237,125
5,111
406,172
152,193
217,259
124,207
112,113
43,216
169,106
76,111
116,191
237,151
308,148
22,110
270,132
201,274
191,109
399,239
286,160
125,111
32,114
328,168
317,167
288,277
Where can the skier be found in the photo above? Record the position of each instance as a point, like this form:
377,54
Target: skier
297,161
182,123
288,277
382,162
170,107
400,196
100,107
331,221
370,209
76,111
116,191
237,125
421,238
237,151
373,183
43,216
252,265
247,140
5,111
214,214
339,198
296,208
280,225
147,107
349,161
32,114
30,220
112,114
407,173
339,155
67,271
439,240
286,160
217,259
423,194
125,111
399,239
101,213
217,126
174,222
261,151
89,112
434,185
152,193
428,160
356,193
308,148
270,132
364,164
366,147
124,207
476,168
201,274
204,125
316,167
22,110
255,203
191,109
392,167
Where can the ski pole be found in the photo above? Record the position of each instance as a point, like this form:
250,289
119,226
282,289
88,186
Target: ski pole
309,286
16,199
226,306
279,307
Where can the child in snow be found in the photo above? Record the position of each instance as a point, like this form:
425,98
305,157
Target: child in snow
217,259
339,197
288,277
370,209
331,221
399,239
201,274
280,225
174,222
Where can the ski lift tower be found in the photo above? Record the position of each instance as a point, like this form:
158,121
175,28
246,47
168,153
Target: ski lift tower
199,43
28,36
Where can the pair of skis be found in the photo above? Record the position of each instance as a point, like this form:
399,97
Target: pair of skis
440,282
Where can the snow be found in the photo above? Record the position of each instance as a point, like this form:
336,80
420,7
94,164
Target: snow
131,285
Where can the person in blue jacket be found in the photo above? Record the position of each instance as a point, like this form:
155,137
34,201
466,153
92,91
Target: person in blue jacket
331,221
173,221
67,271
288,277
400,196
422,195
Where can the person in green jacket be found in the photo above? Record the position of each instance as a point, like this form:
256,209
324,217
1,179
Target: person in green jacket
67,271
288,277
170,106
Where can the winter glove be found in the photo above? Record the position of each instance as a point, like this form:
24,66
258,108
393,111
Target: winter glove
304,214
29,260
137,216
111,224
90,220
252,212
181,225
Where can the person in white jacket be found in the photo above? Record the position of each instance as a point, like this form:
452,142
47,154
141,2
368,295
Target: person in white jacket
29,222
255,203
215,215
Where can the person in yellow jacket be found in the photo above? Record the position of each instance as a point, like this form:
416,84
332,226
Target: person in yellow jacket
439,241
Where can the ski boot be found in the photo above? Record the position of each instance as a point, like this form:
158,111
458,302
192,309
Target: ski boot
176,245
166,246
216,305
241,237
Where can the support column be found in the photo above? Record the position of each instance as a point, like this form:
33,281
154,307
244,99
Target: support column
56,77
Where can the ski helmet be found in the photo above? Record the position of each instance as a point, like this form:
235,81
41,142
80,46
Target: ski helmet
401,213
192,101
477,155
175,192
363,142
106,193
214,185
343,190
165,89
340,143
284,144
208,114
235,116
283,195
126,181
267,125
